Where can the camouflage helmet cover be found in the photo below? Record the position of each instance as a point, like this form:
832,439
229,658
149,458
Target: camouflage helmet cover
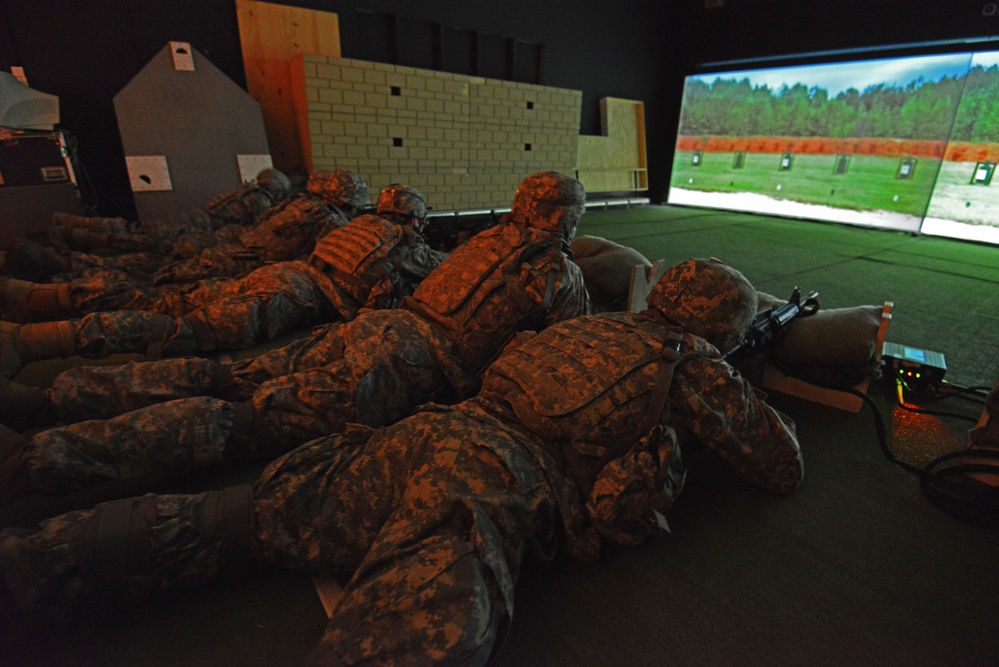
403,200
707,298
550,200
275,182
340,188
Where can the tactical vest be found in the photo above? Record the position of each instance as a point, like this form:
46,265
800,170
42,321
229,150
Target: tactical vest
593,385
356,257
240,206
233,207
477,295
289,230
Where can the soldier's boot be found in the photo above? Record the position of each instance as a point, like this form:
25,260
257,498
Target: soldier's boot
20,344
20,299
105,225
249,438
14,482
33,261
80,240
23,406
122,552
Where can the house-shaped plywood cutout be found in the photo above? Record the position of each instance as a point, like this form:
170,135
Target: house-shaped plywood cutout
184,126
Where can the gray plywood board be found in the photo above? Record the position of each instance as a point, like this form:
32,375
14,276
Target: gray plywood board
199,121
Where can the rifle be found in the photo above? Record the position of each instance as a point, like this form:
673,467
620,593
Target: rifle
769,325
446,232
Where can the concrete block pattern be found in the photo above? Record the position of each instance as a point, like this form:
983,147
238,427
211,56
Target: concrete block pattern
465,141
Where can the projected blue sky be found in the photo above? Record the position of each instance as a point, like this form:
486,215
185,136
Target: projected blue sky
837,77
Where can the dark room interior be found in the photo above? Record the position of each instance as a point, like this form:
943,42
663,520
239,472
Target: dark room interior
859,566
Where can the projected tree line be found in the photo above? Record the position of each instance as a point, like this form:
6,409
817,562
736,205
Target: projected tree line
960,108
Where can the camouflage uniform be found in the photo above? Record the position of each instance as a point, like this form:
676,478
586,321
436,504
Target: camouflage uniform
288,295
574,438
139,249
370,263
239,207
286,232
373,370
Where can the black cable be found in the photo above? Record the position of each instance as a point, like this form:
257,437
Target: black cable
948,481
934,413
953,391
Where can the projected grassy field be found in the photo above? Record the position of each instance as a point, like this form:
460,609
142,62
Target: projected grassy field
868,183
956,198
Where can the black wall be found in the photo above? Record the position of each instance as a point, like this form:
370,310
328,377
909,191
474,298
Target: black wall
86,51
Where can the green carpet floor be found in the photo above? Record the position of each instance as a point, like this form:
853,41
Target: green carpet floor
855,568
945,292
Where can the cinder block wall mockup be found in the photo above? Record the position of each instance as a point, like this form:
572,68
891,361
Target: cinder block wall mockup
466,141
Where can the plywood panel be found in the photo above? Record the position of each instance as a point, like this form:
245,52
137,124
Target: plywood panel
272,35
615,161
195,123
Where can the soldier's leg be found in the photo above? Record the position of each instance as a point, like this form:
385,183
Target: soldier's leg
20,300
28,260
89,291
138,266
271,301
324,346
100,392
437,585
106,225
158,442
163,232
229,260
317,509
95,336
384,370
70,232
122,550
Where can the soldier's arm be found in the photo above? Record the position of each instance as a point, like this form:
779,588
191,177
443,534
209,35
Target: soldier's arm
720,408
570,299
421,260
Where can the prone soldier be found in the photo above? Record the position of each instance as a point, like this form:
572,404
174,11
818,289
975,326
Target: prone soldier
373,370
575,438
138,248
288,231
373,263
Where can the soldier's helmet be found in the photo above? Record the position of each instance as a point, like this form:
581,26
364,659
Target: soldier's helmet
404,204
345,189
552,201
275,182
707,298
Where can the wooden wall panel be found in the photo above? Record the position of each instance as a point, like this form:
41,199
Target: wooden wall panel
616,160
271,35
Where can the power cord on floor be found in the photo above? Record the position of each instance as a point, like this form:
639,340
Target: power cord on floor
949,481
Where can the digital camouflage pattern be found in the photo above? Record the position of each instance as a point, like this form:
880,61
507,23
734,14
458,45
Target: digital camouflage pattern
370,263
505,279
339,505
286,232
373,370
72,561
340,188
429,520
144,246
708,298
551,201
589,386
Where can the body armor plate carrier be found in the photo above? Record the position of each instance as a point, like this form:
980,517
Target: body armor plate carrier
478,297
359,256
